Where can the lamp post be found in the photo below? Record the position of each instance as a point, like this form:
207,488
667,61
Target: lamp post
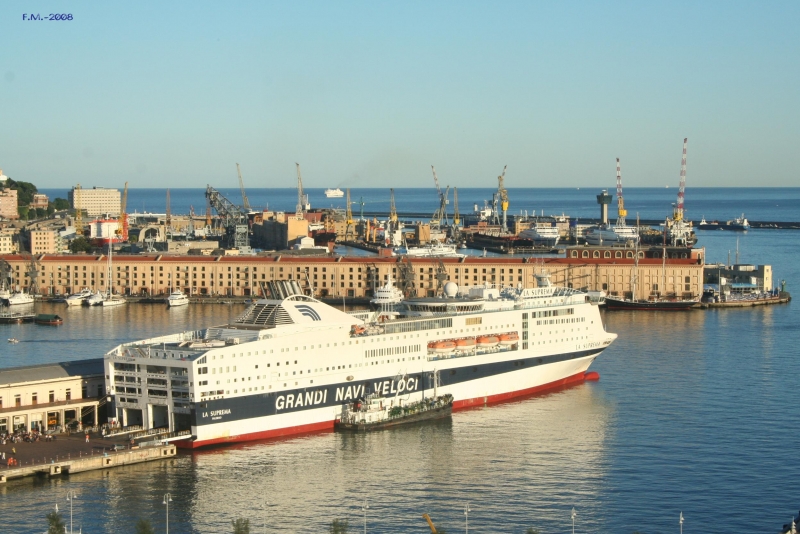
364,509
573,519
70,497
467,510
167,500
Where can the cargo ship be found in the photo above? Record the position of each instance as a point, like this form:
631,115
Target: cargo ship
289,363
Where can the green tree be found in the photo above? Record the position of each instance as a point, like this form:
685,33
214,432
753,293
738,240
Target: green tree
56,524
143,526
80,244
241,526
50,208
339,526
23,212
61,204
25,191
41,213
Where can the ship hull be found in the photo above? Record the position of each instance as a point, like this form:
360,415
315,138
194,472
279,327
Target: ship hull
249,419
647,305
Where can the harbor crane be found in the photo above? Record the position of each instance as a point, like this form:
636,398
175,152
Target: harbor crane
501,198
348,218
441,213
233,219
76,204
677,213
168,220
621,211
456,233
123,213
245,200
302,198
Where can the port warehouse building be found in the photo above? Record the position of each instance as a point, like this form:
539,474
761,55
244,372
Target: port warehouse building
49,396
660,271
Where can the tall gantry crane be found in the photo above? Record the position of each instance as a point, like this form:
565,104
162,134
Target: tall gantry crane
621,211
677,213
123,213
456,215
502,194
245,200
76,204
348,218
233,219
441,213
168,220
302,198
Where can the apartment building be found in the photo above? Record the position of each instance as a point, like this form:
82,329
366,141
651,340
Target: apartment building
96,201
8,204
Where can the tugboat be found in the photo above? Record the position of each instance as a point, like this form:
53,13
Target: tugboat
375,412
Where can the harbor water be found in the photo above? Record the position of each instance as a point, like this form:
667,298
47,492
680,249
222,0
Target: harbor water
695,412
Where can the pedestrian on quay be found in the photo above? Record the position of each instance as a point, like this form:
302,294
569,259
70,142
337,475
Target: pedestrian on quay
87,437
14,451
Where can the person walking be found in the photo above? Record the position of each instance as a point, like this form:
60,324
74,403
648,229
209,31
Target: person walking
87,437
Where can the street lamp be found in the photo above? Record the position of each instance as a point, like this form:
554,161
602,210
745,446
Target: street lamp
467,510
70,497
573,519
364,509
167,500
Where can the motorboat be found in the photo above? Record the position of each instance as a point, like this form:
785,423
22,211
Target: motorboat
177,298
95,300
18,298
76,299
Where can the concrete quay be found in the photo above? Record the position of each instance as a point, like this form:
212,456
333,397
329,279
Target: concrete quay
69,455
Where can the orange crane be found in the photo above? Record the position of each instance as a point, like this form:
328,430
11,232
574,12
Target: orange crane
621,211
123,214
427,518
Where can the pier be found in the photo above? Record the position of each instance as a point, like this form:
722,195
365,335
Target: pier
68,462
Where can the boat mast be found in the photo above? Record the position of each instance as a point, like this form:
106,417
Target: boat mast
635,264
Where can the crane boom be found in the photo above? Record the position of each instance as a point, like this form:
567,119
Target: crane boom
503,194
245,201
621,211
299,209
123,212
678,212
456,215
427,518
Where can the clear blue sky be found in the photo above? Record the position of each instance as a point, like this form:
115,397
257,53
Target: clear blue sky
372,93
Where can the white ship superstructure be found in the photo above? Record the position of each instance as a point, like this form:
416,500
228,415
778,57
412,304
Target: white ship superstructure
290,362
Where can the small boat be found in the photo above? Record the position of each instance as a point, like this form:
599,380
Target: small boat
334,193
507,340
114,300
488,341
376,412
13,340
20,297
740,224
76,299
177,298
95,300
654,304
48,319
442,347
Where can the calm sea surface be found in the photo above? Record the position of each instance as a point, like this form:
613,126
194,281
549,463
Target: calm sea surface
695,412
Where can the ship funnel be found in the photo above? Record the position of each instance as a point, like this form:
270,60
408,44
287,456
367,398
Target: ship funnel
282,289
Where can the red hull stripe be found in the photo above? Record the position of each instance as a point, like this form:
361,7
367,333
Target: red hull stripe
328,425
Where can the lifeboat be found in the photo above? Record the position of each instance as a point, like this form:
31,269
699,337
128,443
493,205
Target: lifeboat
487,341
442,347
509,339
465,344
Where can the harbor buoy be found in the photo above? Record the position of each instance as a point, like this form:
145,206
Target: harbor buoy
594,376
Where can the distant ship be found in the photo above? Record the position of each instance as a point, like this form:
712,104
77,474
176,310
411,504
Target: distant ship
612,235
739,224
542,234
334,193
431,250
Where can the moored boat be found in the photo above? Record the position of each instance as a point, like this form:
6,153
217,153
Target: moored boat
378,412
19,298
177,298
655,304
76,299
48,319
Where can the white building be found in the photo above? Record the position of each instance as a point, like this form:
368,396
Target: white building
105,230
96,201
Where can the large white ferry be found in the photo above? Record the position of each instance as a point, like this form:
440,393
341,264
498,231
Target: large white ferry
290,362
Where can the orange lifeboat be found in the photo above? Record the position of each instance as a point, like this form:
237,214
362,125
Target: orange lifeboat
442,347
487,341
465,344
509,339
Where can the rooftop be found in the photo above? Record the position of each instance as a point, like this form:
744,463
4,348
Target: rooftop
51,371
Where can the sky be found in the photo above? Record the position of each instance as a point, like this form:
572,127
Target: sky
371,94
